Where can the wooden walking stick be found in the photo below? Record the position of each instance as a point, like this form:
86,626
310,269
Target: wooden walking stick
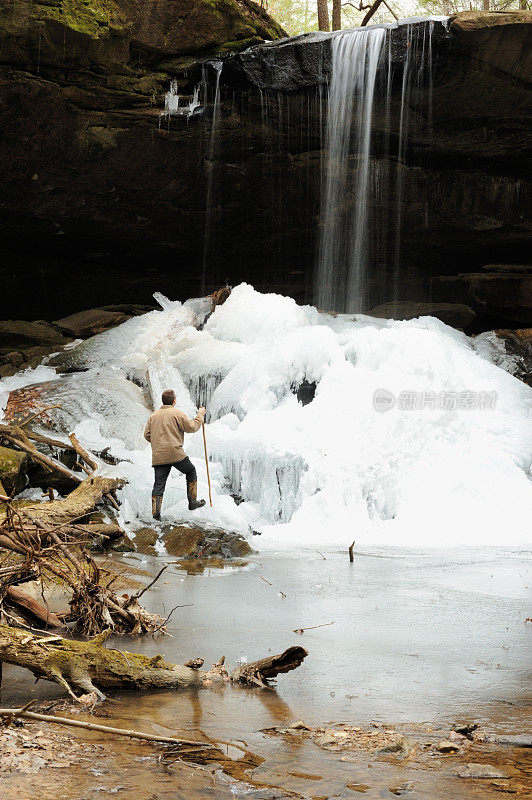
207,463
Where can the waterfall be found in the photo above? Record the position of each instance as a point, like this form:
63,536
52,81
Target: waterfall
417,78
212,203
377,101
342,253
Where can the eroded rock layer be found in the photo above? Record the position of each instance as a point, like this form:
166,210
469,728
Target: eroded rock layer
105,200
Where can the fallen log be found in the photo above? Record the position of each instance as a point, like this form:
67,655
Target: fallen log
48,554
91,667
19,438
262,671
76,505
29,607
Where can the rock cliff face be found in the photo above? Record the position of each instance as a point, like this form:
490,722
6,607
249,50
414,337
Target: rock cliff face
104,200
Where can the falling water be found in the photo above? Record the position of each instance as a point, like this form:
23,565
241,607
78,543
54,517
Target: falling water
416,78
364,231
212,205
342,254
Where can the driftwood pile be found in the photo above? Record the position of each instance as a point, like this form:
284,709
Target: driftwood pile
47,542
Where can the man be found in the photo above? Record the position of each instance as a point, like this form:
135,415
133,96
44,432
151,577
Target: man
165,432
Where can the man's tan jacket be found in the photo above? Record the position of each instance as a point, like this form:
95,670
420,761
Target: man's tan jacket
165,432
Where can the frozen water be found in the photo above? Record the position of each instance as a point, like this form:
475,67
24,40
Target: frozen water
103,395
24,378
434,469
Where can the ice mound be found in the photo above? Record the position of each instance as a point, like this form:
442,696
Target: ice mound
412,436
104,396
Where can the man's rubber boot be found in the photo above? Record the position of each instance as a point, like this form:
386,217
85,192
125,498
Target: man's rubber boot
192,493
156,503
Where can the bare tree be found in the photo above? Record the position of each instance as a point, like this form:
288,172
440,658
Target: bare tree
323,15
337,15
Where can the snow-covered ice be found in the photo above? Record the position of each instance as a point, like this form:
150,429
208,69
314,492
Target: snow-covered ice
444,473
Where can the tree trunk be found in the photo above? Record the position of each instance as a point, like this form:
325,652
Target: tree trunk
89,666
30,608
485,5
337,15
77,504
323,15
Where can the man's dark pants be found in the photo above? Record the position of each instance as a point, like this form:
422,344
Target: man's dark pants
162,471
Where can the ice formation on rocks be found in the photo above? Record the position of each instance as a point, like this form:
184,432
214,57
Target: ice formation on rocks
446,463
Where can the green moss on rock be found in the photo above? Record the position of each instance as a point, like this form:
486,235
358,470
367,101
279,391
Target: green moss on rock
91,17
238,46
200,543
12,469
125,37
144,541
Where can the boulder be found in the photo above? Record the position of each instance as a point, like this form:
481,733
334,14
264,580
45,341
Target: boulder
20,334
90,322
447,747
13,362
499,294
130,309
201,543
25,344
13,466
144,541
454,314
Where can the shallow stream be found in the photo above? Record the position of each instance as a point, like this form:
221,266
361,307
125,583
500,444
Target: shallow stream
420,640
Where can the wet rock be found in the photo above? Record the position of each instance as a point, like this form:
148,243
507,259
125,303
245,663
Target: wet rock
123,545
473,770
305,391
457,737
399,746
202,543
308,776
13,466
91,322
144,541
357,787
520,740
331,738
455,314
299,726
303,60
401,788
447,747
465,728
